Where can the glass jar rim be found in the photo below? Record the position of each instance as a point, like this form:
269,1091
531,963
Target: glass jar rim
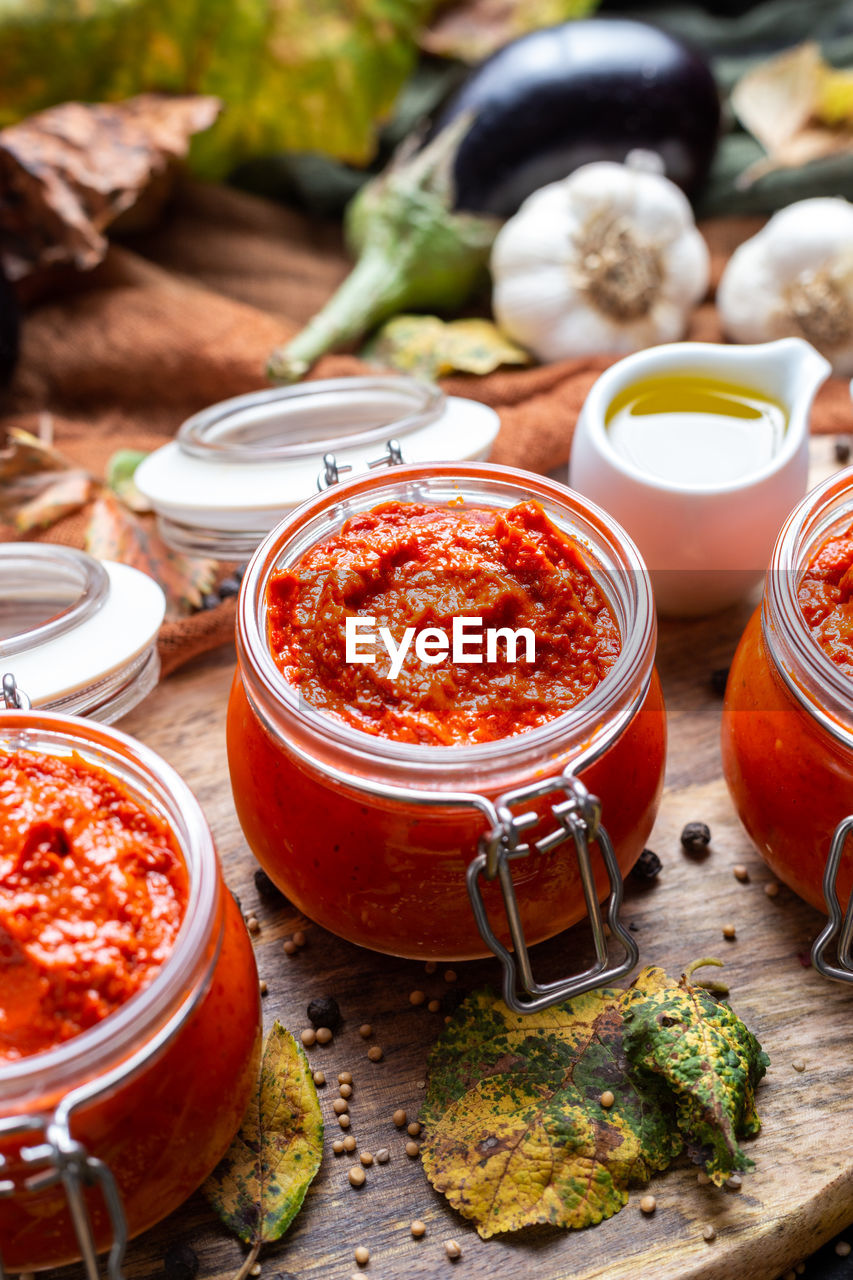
129,1035
590,726
823,690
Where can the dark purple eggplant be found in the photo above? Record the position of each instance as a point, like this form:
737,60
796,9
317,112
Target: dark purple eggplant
588,90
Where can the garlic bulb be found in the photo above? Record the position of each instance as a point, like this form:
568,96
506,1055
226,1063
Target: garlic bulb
795,279
608,260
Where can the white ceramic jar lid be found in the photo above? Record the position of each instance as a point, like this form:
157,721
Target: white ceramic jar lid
237,468
77,634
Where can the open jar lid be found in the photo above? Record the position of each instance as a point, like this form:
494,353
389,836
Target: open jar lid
238,467
77,634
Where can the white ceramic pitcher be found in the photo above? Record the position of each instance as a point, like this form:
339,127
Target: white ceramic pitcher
706,545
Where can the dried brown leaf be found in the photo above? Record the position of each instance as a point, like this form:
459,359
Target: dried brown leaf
67,173
115,533
37,484
471,30
69,492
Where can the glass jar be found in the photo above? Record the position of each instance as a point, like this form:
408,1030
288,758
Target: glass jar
377,840
787,731
157,1089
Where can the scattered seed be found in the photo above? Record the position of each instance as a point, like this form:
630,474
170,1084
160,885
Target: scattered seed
450,975
790,1275
719,680
345,1090
798,1064
413,1130
308,1037
452,1249
740,872
734,1182
366,1159
255,1270
338,1147
695,837
365,1031
708,1233
383,1155
771,888
357,1176
842,1248
290,948
418,1229
362,1256
374,1053
729,932
350,1143
430,966
253,924
324,1035
299,938
607,1099
647,866
344,1121
399,1117
319,1078
325,1011
841,449
417,997
421,1084
702,1178
434,1006
345,1077
412,1149
262,987
800,1268
340,1106
648,1204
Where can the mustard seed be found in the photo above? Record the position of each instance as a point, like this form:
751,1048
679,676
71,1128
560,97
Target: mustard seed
344,1121
418,1228
309,1037
412,1149
299,938
365,1031
790,1275
383,1155
340,1106
345,1090
290,948
262,987
349,1143
734,1182
729,932
324,1035
450,975
708,1233
417,997
255,1270
345,1077
357,1176
843,1248
702,1178
452,1249
413,1129
253,924
740,872
374,1053
362,1256
430,966
648,1204
771,888
366,1159
607,1099
399,1117
798,1064
338,1147
319,1078
434,1006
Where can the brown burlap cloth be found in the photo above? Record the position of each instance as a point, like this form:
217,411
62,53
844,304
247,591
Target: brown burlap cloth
186,315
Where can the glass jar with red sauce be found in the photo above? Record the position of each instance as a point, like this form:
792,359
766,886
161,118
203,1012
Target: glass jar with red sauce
157,1088
787,731
379,840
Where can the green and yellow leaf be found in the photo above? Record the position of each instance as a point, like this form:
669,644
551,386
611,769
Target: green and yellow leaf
430,348
120,477
259,1186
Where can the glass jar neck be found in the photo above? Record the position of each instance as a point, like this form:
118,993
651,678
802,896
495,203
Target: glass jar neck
576,737
87,1063
817,684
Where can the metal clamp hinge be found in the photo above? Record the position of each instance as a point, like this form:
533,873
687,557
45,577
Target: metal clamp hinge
578,817
13,698
839,927
60,1158
332,471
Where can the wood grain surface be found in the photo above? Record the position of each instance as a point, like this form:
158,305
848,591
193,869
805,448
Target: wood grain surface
801,1192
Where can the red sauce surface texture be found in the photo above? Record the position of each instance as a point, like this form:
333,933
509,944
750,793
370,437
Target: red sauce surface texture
417,565
825,596
93,890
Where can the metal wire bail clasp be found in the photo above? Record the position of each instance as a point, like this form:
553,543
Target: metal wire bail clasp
839,926
578,817
332,471
14,699
60,1158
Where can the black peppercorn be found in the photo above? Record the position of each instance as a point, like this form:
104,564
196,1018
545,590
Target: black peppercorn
647,866
842,449
229,587
210,601
696,837
180,1263
324,1012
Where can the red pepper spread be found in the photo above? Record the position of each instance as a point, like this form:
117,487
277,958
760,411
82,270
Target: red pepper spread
93,890
825,595
415,565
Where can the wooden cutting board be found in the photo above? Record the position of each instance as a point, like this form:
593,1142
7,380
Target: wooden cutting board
801,1192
